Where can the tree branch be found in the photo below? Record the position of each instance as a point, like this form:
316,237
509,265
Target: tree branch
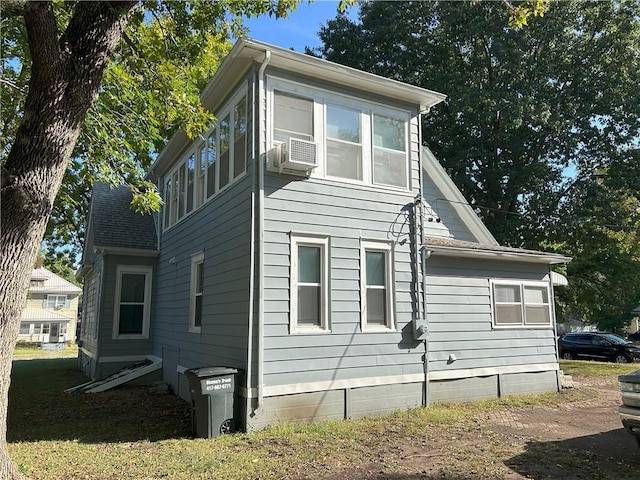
42,33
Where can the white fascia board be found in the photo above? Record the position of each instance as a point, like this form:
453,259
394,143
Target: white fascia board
533,257
137,252
453,194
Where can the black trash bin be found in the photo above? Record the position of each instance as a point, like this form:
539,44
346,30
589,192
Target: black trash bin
212,400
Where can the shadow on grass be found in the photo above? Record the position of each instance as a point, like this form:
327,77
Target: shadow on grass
607,455
39,409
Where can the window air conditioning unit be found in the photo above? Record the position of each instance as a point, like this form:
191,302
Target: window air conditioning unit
297,156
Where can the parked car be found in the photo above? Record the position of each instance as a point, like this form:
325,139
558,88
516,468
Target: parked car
634,336
630,408
597,346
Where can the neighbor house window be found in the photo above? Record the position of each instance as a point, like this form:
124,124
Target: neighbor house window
521,304
25,328
376,286
309,284
133,302
197,285
57,302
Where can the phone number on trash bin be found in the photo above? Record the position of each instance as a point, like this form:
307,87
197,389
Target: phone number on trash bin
218,384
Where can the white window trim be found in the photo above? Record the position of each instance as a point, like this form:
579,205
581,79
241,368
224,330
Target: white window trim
523,324
196,258
303,239
194,148
148,273
65,305
379,246
322,98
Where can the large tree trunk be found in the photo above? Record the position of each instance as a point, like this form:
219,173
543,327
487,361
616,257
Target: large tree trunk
66,75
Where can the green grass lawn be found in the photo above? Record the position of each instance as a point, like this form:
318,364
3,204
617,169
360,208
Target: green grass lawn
23,351
132,433
596,369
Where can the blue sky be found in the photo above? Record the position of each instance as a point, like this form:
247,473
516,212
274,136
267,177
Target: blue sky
300,29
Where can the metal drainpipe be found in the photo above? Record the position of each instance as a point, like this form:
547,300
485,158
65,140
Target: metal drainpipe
261,144
252,257
424,254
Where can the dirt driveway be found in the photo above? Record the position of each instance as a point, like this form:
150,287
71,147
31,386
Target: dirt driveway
577,440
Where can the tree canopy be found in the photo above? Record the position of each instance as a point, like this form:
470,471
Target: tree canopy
150,89
540,128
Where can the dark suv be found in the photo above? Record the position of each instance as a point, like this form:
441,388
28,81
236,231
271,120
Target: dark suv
597,346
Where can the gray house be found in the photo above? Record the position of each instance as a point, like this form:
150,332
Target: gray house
310,240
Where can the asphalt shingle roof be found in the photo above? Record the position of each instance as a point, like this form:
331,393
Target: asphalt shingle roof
116,224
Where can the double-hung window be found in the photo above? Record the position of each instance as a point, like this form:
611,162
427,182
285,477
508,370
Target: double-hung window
57,302
197,288
521,304
133,302
376,278
309,290
344,143
293,117
389,151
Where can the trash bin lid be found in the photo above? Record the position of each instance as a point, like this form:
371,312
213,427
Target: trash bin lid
212,371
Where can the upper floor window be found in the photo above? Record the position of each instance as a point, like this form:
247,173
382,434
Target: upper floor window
389,151
357,141
210,165
57,302
293,117
517,304
344,143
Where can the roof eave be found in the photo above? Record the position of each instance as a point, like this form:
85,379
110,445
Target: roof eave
139,252
533,257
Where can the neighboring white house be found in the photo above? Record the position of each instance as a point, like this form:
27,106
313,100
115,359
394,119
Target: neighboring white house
51,310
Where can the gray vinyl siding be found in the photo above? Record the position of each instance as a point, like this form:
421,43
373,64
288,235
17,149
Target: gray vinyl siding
221,229
110,347
441,220
346,214
460,323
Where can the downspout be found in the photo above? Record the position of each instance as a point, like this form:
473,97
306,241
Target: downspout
424,255
252,257
555,328
261,161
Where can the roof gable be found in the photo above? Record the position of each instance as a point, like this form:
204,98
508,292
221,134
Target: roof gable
51,283
432,168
